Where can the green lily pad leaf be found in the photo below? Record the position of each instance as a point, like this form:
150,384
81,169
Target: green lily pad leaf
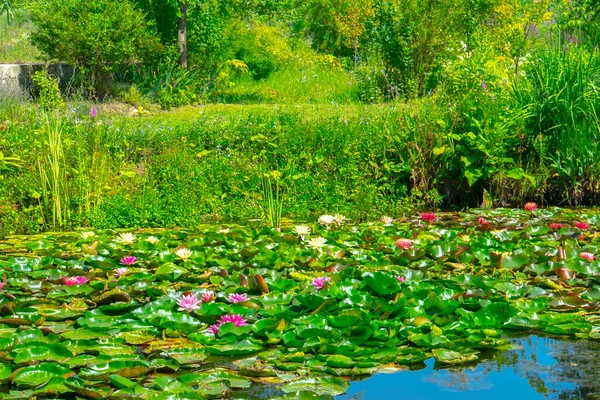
340,361
121,382
240,348
170,272
234,380
320,385
79,387
451,357
37,375
382,284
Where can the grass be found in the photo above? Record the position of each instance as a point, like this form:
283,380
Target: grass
15,47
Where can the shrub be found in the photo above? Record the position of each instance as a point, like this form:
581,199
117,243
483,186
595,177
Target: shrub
98,37
48,91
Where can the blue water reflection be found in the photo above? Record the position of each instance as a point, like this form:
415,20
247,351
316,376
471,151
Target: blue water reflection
543,368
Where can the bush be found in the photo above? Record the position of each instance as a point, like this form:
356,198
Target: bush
48,91
98,37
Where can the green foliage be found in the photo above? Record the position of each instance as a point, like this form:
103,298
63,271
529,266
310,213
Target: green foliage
15,46
99,37
48,91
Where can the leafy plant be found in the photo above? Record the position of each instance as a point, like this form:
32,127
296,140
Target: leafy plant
48,91
99,38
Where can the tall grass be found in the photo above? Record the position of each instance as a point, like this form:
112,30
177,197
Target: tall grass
558,104
272,199
54,178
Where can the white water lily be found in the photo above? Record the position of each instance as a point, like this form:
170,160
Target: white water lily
317,243
152,239
338,219
223,230
302,230
126,238
387,220
184,253
87,235
326,219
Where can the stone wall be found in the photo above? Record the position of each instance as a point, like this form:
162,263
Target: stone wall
15,79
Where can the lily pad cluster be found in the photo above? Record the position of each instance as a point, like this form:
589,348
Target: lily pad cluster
201,313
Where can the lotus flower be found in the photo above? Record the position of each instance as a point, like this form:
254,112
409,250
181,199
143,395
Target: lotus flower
482,222
120,271
208,296
152,239
128,260
74,280
189,302
587,256
302,231
401,279
387,220
184,253
93,112
404,243
338,219
126,238
319,283
428,217
530,206
581,225
235,298
235,319
326,220
317,243
87,235
214,329
555,226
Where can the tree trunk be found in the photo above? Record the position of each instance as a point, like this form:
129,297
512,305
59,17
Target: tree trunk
182,34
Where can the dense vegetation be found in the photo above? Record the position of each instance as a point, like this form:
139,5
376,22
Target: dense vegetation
473,102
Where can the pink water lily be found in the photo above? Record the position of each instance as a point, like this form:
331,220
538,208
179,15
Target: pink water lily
401,279
128,260
555,226
208,296
482,222
530,206
2,283
581,225
404,243
120,271
74,280
189,302
428,217
587,256
319,283
236,319
237,298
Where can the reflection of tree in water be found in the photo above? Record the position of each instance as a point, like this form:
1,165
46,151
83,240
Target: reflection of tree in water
561,369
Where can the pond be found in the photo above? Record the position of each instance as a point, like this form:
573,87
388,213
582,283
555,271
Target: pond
544,368
426,306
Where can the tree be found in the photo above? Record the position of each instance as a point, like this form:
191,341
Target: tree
182,33
99,37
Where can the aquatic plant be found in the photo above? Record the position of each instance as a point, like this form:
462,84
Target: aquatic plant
189,302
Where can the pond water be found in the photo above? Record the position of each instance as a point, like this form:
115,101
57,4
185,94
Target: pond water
544,368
